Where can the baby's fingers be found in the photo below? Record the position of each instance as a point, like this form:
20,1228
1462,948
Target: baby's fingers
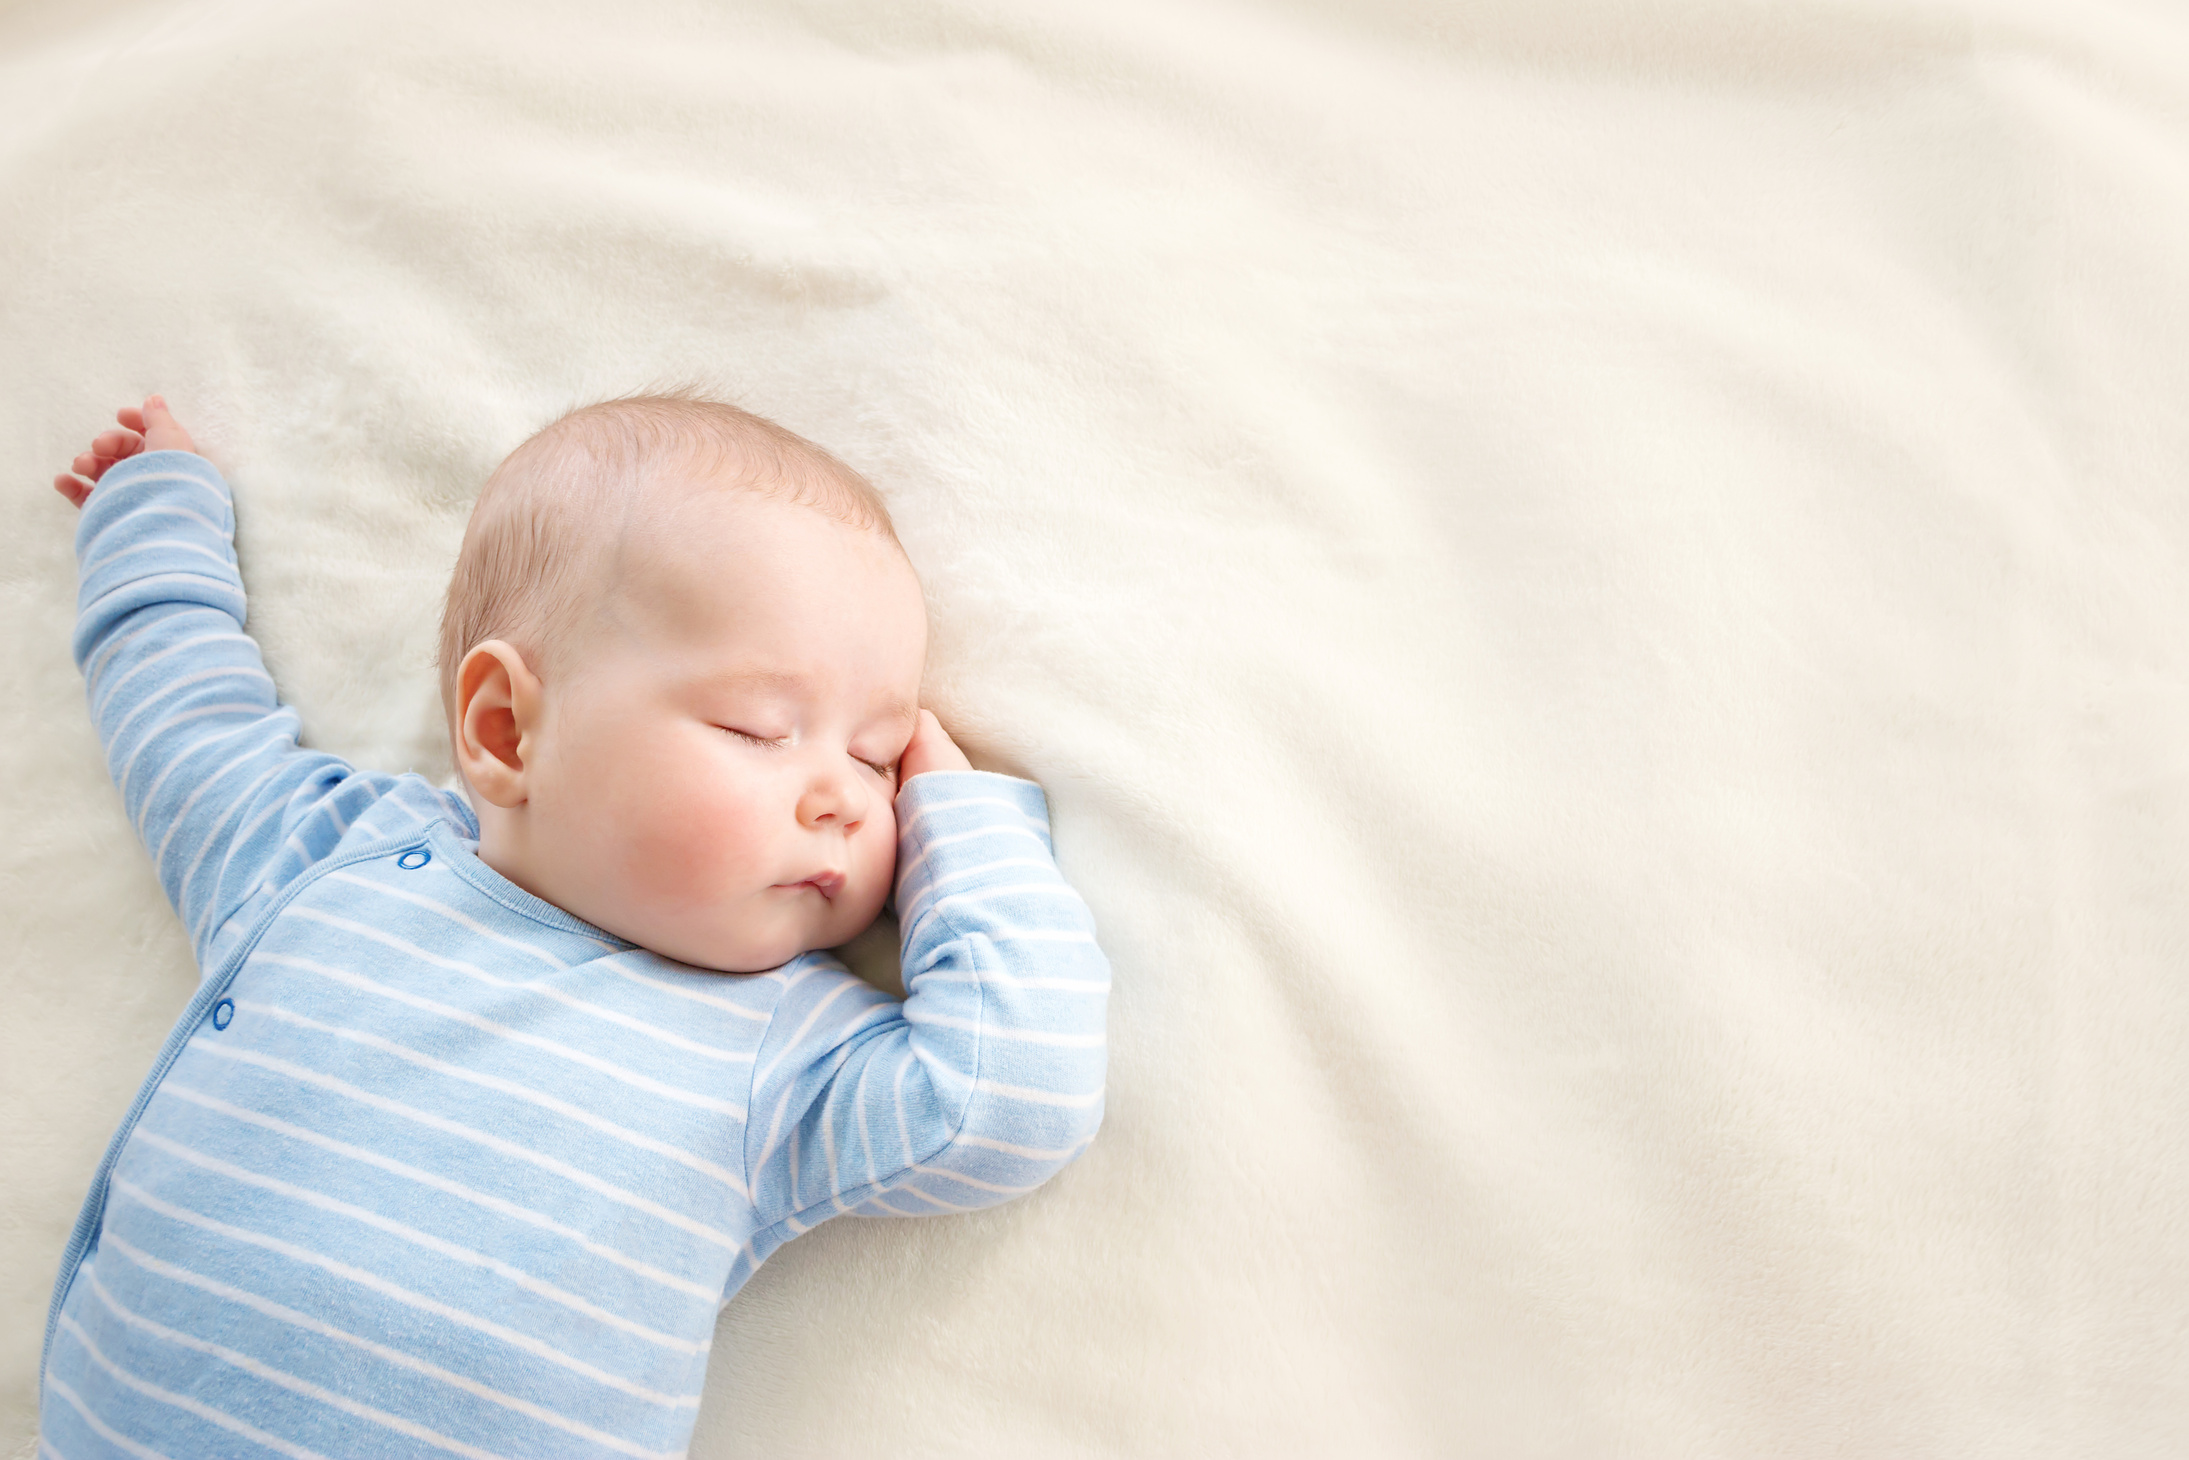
114,445
76,489
110,447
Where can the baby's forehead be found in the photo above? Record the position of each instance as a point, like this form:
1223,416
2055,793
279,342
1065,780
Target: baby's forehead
706,519
695,538
625,489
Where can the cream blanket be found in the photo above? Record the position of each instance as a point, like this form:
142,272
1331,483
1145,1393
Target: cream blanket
1599,591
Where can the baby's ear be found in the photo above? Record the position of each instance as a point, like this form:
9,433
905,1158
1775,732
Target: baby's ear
497,710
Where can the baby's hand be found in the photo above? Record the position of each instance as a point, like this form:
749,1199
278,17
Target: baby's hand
931,749
153,428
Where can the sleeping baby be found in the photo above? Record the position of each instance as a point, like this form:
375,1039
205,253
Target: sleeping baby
488,1102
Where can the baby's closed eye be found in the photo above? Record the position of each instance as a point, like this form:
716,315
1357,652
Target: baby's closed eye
886,769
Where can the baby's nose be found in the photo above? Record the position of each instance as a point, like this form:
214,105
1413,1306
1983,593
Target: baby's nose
834,798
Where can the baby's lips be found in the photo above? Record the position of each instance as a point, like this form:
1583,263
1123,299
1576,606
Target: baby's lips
828,884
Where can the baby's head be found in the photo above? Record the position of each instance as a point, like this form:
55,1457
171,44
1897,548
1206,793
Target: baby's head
681,658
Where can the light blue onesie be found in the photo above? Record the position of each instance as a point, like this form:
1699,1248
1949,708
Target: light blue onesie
432,1167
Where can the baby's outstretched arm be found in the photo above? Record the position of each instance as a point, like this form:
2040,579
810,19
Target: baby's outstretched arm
150,427
202,750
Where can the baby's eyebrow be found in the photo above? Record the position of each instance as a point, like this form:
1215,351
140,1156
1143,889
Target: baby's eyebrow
775,679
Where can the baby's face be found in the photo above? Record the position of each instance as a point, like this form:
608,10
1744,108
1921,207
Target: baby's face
715,779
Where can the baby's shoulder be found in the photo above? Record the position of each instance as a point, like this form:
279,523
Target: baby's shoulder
338,811
404,805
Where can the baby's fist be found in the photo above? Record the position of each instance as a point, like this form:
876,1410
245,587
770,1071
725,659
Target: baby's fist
931,749
151,428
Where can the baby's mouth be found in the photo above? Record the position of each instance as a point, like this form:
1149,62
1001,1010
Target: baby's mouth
828,884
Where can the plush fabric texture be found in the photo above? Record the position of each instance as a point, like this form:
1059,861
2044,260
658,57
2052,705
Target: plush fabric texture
1598,591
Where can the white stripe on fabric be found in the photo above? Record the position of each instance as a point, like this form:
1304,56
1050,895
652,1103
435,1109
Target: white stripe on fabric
797,1039
828,1155
866,1135
878,1201
1036,1097
45,1447
105,1431
539,1287
232,590
1031,1153
185,1403
168,722
255,673
911,909
904,828
373,1282
490,1202
904,1131
420,900
188,480
545,991
260,717
910,1188
547,1163
1001,981
288,1381
454,1015
97,663
955,837
167,509
1014,1036
511,1088
332,808
212,836
380,1351
106,692
235,843
978,1185
144,547
713,1001
976,899
182,812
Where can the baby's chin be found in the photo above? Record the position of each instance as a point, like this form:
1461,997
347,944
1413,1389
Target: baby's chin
748,954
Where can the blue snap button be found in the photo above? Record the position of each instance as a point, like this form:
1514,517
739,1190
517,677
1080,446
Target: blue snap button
413,859
224,1013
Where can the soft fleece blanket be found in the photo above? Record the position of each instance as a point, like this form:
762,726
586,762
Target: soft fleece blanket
1599,591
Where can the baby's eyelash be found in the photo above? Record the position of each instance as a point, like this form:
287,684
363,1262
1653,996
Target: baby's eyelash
886,772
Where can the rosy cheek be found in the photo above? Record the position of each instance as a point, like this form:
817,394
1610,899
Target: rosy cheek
683,825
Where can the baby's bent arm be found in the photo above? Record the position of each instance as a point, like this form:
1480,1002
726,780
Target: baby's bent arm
203,752
988,1078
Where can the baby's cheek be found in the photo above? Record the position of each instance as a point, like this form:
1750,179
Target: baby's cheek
877,856
682,849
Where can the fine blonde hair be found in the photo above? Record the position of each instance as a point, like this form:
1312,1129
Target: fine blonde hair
548,521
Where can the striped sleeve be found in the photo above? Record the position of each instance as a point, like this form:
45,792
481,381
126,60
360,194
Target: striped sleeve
203,753
988,1078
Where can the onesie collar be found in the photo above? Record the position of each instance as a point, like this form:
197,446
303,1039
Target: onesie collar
462,856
